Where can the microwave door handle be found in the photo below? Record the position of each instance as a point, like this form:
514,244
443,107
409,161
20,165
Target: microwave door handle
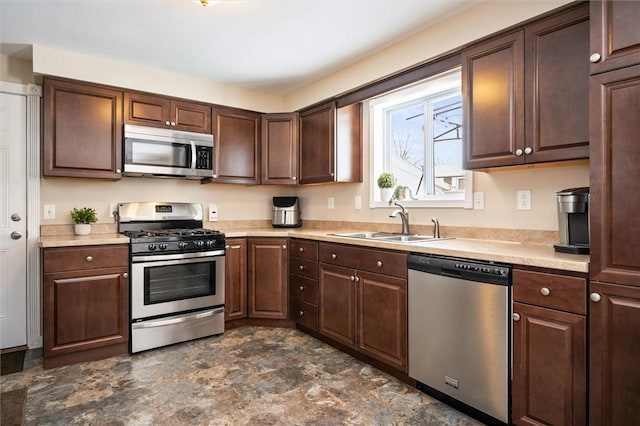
193,155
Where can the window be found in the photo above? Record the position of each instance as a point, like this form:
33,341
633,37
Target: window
416,135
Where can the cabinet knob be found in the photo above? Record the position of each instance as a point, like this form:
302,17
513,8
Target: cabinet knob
301,249
300,313
352,278
516,316
294,178
333,255
89,259
167,123
301,267
545,291
173,124
284,247
379,263
595,297
227,247
595,57
528,150
301,288
357,279
125,275
215,176
519,152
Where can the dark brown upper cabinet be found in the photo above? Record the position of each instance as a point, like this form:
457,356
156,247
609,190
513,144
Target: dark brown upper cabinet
526,94
236,140
82,135
280,149
615,37
157,111
331,144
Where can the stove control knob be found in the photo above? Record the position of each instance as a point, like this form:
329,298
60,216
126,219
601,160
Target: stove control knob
182,245
199,243
162,246
152,247
209,243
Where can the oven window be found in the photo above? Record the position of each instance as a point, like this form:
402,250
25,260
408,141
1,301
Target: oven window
178,282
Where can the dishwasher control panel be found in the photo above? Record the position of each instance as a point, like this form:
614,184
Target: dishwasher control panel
468,269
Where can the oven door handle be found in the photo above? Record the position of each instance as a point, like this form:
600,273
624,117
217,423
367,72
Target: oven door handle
177,319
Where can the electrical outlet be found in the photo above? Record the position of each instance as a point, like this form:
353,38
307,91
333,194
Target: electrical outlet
357,202
524,200
113,209
213,213
478,200
330,203
49,211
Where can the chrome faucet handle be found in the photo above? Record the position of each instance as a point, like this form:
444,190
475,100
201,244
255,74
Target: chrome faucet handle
401,206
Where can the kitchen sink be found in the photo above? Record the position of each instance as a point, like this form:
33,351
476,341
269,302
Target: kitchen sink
387,236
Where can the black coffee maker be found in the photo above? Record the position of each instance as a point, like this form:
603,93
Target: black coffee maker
573,220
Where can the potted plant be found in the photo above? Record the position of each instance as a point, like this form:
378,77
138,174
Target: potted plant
386,182
83,218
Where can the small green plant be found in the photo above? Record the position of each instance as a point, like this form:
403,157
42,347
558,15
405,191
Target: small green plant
85,215
386,180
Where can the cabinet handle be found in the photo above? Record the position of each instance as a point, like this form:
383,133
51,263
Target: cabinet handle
379,263
516,316
167,123
301,249
519,152
284,247
173,124
301,313
595,297
301,288
333,255
545,291
125,275
352,278
595,57
301,267
528,150
89,259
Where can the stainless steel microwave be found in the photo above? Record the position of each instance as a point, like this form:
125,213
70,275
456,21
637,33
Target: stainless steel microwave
157,152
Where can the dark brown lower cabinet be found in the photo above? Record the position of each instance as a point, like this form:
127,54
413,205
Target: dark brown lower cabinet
268,295
235,288
549,367
614,354
85,304
337,304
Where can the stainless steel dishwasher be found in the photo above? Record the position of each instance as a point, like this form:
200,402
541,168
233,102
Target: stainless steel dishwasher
460,333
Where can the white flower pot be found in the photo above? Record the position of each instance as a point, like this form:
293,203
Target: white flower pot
386,194
82,229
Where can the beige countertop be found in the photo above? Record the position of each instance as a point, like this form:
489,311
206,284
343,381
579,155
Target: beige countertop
540,255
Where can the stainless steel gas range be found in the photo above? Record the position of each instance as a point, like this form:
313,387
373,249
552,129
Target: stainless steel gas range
177,273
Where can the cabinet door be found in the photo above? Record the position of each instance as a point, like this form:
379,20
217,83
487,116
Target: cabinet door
614,351
237,145
382,318
337,304
493,102
235,287
280,149
85,310
615,153
147,110
614,35
190,117
268,289
557,87
82,134
549,367
317,144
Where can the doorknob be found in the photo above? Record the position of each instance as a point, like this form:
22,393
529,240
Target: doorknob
16,235
16,217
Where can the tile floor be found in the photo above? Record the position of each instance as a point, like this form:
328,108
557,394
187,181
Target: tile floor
248,376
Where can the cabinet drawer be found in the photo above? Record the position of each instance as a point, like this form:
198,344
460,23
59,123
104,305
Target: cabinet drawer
303,249
377,261
306,268
304,314
304,289
550,290
91,257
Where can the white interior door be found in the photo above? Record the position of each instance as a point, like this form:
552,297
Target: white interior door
13,221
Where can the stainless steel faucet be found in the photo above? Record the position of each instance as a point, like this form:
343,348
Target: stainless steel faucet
404,215
436,227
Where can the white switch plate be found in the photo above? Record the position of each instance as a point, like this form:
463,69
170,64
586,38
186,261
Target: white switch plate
478,200
330,203
524,200
213,212
49,211
358,202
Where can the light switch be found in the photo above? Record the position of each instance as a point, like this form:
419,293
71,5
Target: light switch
478,200
49,211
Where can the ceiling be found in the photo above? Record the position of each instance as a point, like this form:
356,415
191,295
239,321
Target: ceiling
274,46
